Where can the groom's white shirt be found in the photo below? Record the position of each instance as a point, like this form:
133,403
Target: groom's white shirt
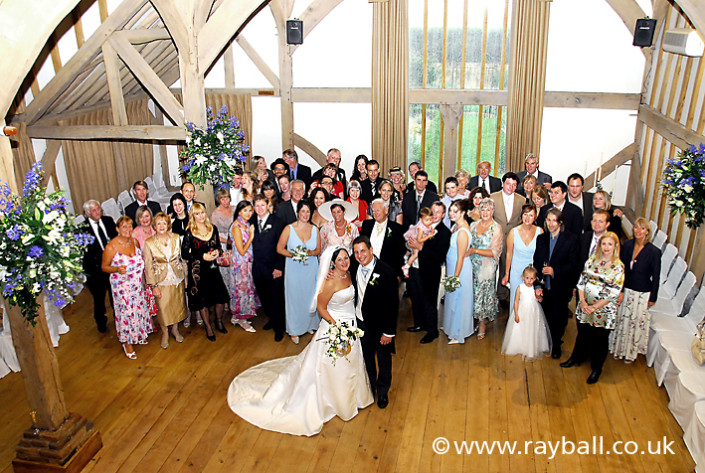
362,286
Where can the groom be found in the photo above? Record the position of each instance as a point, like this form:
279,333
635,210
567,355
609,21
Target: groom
376,307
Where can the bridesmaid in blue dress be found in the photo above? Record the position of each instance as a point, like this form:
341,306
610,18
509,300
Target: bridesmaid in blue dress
519,253
300,277
457,311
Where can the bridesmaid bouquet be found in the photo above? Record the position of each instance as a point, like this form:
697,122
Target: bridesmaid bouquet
340,339
300,254
450,283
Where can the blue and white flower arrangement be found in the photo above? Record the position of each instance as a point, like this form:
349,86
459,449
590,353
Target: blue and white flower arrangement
41,249
213,154
684,184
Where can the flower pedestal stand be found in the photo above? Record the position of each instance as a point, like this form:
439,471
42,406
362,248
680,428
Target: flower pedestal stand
58,441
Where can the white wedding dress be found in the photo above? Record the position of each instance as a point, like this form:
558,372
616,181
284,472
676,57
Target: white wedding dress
298,394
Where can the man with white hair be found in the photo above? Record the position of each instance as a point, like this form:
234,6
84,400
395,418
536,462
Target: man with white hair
333,157
531,166
387,237
97,282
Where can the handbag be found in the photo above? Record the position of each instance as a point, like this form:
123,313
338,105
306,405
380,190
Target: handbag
697,348
223,260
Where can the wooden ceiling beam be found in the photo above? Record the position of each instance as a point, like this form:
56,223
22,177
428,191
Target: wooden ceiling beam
108,132
312,16
263,67
629,11
695,12
171,14
151,81
67,75
112,73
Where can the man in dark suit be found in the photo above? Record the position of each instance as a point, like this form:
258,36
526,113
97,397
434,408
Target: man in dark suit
376,308
286,210
141,191
97,282
425,276
188,190
333,157
555,261
483,179
414,201
415,167
369,188
582,200
296,170
531,166
572,216
588,240
387,237
268,265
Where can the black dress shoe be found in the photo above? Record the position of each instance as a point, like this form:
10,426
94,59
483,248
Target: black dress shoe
414,329
594,376
102,328
428,338
556,353
569,363
383,401
278,337
268,326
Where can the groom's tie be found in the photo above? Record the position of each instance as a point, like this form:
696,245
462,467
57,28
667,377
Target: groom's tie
365,272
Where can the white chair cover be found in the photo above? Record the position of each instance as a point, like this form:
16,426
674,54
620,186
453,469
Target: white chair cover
684,391
676,304
669,254
668,289
659,239
659,353
694,436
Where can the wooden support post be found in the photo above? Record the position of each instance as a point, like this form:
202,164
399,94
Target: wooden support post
451,118
58,440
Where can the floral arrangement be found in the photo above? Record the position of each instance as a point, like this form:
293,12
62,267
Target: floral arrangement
340,339
684,184
450,283
213,154
300,254
41,248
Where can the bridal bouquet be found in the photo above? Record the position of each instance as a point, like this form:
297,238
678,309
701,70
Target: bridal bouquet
450,283
300,254
41,249
340,339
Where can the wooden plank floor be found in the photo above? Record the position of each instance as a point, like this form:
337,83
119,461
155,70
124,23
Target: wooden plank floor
167,411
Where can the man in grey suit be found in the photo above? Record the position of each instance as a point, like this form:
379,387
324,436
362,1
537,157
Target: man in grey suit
507,213
483,179
531,166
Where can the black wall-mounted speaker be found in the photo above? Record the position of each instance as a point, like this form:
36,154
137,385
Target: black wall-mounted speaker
644,32
294,32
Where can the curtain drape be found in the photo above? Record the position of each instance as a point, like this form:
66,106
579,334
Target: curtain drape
102,169
527,80
390,84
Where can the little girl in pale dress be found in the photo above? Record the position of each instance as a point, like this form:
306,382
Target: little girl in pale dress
527,333
422,231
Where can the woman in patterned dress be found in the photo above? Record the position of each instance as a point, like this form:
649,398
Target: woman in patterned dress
642,269
485,248
222,217
122,259
243,298
598,289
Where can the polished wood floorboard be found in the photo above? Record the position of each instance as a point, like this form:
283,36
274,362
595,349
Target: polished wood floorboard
167,411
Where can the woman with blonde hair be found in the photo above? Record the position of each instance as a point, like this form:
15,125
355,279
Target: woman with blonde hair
165,271
602,200
463,178
250,186
201,248
642,269
599,288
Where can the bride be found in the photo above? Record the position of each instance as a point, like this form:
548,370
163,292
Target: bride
298,394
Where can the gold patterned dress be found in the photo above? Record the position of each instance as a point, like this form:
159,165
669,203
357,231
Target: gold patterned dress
165,269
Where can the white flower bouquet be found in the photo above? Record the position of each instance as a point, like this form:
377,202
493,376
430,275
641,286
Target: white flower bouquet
300,254
451,283
340,339
684,184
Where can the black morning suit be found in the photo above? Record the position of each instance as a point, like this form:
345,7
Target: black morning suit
285,212
380,309
265,261
495,183
366,192
572,217
393,248
557,289
98,282
424,281
409,210
131,210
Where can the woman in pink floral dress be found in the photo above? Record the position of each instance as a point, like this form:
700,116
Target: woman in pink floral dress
244,301
122,259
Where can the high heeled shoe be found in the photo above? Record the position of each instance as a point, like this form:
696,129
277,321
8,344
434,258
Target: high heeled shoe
210,337
178,337
295,339
219,326
131,355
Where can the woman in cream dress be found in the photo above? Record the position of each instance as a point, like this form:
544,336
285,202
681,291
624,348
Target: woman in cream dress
165,272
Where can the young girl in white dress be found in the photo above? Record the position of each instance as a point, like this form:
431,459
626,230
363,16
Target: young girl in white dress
527,333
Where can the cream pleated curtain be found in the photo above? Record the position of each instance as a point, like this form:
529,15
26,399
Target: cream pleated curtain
390,84
527,80
102,169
